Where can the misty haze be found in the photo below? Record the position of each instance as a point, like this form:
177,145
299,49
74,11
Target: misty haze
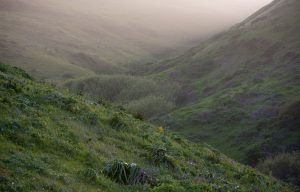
109,32
149,95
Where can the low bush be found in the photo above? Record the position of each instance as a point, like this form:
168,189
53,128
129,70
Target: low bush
159,157
13,85
138,116
117,122
285,166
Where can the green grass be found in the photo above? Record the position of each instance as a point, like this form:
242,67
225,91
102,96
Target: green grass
53,140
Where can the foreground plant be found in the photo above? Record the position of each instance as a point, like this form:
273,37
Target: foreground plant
127,174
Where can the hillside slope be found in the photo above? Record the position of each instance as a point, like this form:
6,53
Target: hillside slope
51,140
240,90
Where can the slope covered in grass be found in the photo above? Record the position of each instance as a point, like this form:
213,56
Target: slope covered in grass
240,89
52,140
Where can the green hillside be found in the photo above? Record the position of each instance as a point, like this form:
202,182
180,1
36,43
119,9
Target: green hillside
240,90
52,140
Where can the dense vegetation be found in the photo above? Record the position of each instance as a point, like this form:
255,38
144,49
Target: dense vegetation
52,140
140,95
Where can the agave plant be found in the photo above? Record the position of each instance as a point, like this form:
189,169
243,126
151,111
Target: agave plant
124,173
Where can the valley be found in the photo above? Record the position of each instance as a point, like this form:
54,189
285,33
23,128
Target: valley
229,90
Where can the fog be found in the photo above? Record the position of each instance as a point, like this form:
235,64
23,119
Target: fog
111,31
182,19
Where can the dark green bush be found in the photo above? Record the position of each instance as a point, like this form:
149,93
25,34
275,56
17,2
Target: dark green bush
118,123
13,85
159,157
284,166
127,174
139,116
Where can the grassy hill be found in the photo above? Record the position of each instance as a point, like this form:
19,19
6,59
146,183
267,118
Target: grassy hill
53,140
240,90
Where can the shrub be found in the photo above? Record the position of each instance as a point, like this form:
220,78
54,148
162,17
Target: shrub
118,123
159,157
139,116
14,85
127,174
285,166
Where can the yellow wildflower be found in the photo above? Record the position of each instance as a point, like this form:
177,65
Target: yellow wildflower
161,130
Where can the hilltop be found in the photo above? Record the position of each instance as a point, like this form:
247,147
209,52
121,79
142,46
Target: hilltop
53,140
